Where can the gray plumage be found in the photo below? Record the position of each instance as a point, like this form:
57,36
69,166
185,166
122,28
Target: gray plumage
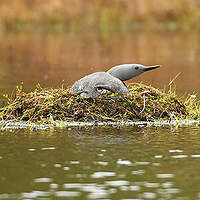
127,71
98,83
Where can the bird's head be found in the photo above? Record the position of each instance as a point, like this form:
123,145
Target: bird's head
127,71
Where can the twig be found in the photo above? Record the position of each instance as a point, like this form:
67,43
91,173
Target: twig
144,105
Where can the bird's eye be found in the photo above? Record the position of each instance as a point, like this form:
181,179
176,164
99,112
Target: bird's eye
136,67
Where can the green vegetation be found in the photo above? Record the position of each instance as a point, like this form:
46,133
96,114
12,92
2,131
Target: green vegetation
142,103
74,14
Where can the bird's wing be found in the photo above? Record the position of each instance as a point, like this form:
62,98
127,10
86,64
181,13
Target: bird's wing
104,86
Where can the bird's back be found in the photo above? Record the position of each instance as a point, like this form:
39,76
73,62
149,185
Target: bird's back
91,85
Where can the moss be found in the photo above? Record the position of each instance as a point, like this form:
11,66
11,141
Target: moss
144,103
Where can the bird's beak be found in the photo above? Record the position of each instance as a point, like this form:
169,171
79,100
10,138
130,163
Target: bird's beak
150,68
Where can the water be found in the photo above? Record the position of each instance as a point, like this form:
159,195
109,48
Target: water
101,163
131,162
56,59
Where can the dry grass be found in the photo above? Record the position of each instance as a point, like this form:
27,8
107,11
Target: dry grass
142,103
97,13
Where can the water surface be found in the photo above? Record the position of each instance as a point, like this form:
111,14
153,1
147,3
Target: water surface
136,162
54,59
101,163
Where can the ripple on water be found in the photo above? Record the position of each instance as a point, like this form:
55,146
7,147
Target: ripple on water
138,172
48,148
66,168
164,175
158,156
67,193
156,164
195,156
112,190
10,196
142,163
72,185
102,174
43,180
74,162
32,149
124,162
98,195
179,156
134,187
124,188
151,185
95,190
80,175
92,187
148,195
57,165
103,163
167,184
117,183
132,199
169,191
175,151
53,185
34,194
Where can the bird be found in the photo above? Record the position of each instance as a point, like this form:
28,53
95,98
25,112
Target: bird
112,81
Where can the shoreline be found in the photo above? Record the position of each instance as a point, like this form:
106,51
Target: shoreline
62,27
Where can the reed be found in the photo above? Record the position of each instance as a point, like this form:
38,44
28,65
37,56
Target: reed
101,14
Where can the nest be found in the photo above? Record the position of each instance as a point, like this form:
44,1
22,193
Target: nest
144,103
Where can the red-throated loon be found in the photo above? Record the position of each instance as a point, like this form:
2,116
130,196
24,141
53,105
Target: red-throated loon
97,83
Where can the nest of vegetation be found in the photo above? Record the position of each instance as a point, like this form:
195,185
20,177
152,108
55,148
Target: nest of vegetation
142,103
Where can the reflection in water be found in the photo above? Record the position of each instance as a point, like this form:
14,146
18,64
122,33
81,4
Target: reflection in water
50,58
94,163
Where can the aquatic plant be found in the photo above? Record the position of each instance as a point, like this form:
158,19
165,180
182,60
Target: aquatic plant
142,103
103,14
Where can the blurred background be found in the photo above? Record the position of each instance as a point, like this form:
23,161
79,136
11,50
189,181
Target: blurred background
56,42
